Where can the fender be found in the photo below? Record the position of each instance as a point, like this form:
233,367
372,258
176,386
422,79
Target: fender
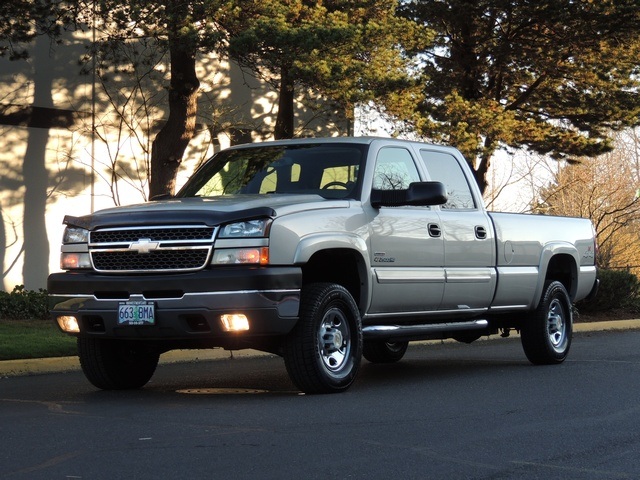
549,251
312,244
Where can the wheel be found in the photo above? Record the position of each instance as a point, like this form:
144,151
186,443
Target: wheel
546,333
379,351
323,352
116,364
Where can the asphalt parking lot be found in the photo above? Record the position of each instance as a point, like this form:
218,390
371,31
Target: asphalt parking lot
11,368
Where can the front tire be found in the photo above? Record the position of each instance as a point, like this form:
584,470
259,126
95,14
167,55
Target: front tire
323,352
116,364
546,334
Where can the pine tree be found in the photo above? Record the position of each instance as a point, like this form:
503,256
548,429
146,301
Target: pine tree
344,51
552,76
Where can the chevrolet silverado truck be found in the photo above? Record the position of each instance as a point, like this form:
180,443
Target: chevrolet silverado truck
322,251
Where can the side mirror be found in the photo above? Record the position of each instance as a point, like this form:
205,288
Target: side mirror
421,194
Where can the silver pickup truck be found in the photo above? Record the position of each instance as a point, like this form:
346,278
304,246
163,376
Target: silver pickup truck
322,251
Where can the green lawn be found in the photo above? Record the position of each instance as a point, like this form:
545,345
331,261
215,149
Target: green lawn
21,339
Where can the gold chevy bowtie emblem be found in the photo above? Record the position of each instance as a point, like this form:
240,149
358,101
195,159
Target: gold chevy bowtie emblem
144,245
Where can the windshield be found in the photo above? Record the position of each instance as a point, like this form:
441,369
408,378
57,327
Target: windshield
330,170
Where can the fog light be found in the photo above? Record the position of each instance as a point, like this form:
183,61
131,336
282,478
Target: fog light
234,322
68,324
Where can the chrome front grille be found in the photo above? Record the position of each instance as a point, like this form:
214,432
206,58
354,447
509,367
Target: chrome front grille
151,249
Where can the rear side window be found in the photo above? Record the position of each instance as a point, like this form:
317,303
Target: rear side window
444,168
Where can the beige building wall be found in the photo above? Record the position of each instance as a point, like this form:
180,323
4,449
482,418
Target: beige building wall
72,143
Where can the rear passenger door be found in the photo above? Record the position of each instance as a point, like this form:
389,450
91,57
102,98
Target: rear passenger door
407,251
469,243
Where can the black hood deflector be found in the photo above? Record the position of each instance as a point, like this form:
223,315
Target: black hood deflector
165,217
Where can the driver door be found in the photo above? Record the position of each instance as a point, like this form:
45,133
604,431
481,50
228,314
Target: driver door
407,249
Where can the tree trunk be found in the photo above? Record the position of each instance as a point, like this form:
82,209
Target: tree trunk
172,140
284,120
480,173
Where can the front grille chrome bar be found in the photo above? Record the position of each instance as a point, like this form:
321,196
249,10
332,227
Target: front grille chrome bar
180,248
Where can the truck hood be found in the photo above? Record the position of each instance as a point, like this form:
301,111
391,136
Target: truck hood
206,211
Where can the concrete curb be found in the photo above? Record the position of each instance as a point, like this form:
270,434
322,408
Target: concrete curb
15,368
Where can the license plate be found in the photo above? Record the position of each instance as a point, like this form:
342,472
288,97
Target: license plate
136,313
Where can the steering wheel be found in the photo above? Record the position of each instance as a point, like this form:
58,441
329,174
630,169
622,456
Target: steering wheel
336,184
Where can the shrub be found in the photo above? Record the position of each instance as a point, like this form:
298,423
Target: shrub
618,289
23,304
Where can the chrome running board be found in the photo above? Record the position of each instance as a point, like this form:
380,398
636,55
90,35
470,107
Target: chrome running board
415,332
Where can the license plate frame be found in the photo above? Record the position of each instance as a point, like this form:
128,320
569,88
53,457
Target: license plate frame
138,313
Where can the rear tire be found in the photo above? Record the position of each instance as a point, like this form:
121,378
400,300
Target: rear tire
380,351
116,364
546,333
323,352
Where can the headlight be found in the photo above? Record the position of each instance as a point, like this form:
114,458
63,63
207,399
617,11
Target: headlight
248,229
75,235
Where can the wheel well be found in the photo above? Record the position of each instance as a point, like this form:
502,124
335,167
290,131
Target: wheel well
562,267
342,266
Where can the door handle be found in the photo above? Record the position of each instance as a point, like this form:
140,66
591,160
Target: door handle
434,230
481,232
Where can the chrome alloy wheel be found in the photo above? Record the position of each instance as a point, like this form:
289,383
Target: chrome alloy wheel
334,339
556,325
323,351
546,332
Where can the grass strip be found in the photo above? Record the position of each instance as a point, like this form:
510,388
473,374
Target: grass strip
21,339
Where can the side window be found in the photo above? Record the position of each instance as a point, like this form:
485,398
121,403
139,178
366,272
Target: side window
395,169
444,168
